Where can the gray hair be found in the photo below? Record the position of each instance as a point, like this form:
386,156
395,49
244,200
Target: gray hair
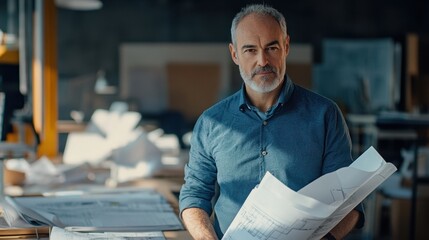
261,9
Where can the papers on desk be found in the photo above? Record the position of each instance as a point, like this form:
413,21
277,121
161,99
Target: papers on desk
134,211
274,211
19,229
59,233
24,232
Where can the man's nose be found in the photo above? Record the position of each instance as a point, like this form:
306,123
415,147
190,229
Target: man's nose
262,58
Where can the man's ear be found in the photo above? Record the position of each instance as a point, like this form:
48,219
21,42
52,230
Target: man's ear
287,45
233,53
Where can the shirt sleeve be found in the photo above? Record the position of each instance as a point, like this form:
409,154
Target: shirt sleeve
200,172
338,148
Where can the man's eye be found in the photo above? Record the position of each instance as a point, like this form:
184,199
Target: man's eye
249,50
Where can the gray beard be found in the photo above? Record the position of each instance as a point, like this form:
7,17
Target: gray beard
262,88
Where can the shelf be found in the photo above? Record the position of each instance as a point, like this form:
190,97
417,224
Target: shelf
9,56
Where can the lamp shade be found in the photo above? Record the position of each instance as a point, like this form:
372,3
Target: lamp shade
79,4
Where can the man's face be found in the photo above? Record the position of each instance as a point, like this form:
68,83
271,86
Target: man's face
260,52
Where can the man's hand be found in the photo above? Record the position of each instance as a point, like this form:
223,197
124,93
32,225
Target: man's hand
198,223
346,225
329,236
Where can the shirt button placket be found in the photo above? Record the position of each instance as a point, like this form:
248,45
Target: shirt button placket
264,152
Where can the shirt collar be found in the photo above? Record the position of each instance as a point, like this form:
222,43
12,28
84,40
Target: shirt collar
285,94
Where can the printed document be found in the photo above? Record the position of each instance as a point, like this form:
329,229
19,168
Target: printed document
60,233
144,210
274,211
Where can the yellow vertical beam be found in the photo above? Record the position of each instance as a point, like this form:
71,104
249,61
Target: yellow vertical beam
45,85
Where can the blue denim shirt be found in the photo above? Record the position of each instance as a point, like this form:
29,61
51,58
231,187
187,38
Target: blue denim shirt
301,138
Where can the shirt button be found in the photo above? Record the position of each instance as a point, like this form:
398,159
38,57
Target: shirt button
264,153
264,123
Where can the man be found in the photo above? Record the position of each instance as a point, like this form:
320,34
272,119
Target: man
271,124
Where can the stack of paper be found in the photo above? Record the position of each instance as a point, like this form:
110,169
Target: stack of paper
22,231
274,211
59,233
133,211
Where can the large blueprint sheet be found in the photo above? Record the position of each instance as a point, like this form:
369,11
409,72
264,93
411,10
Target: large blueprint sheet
273,211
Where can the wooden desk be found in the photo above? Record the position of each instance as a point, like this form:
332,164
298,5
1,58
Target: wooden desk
65,126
